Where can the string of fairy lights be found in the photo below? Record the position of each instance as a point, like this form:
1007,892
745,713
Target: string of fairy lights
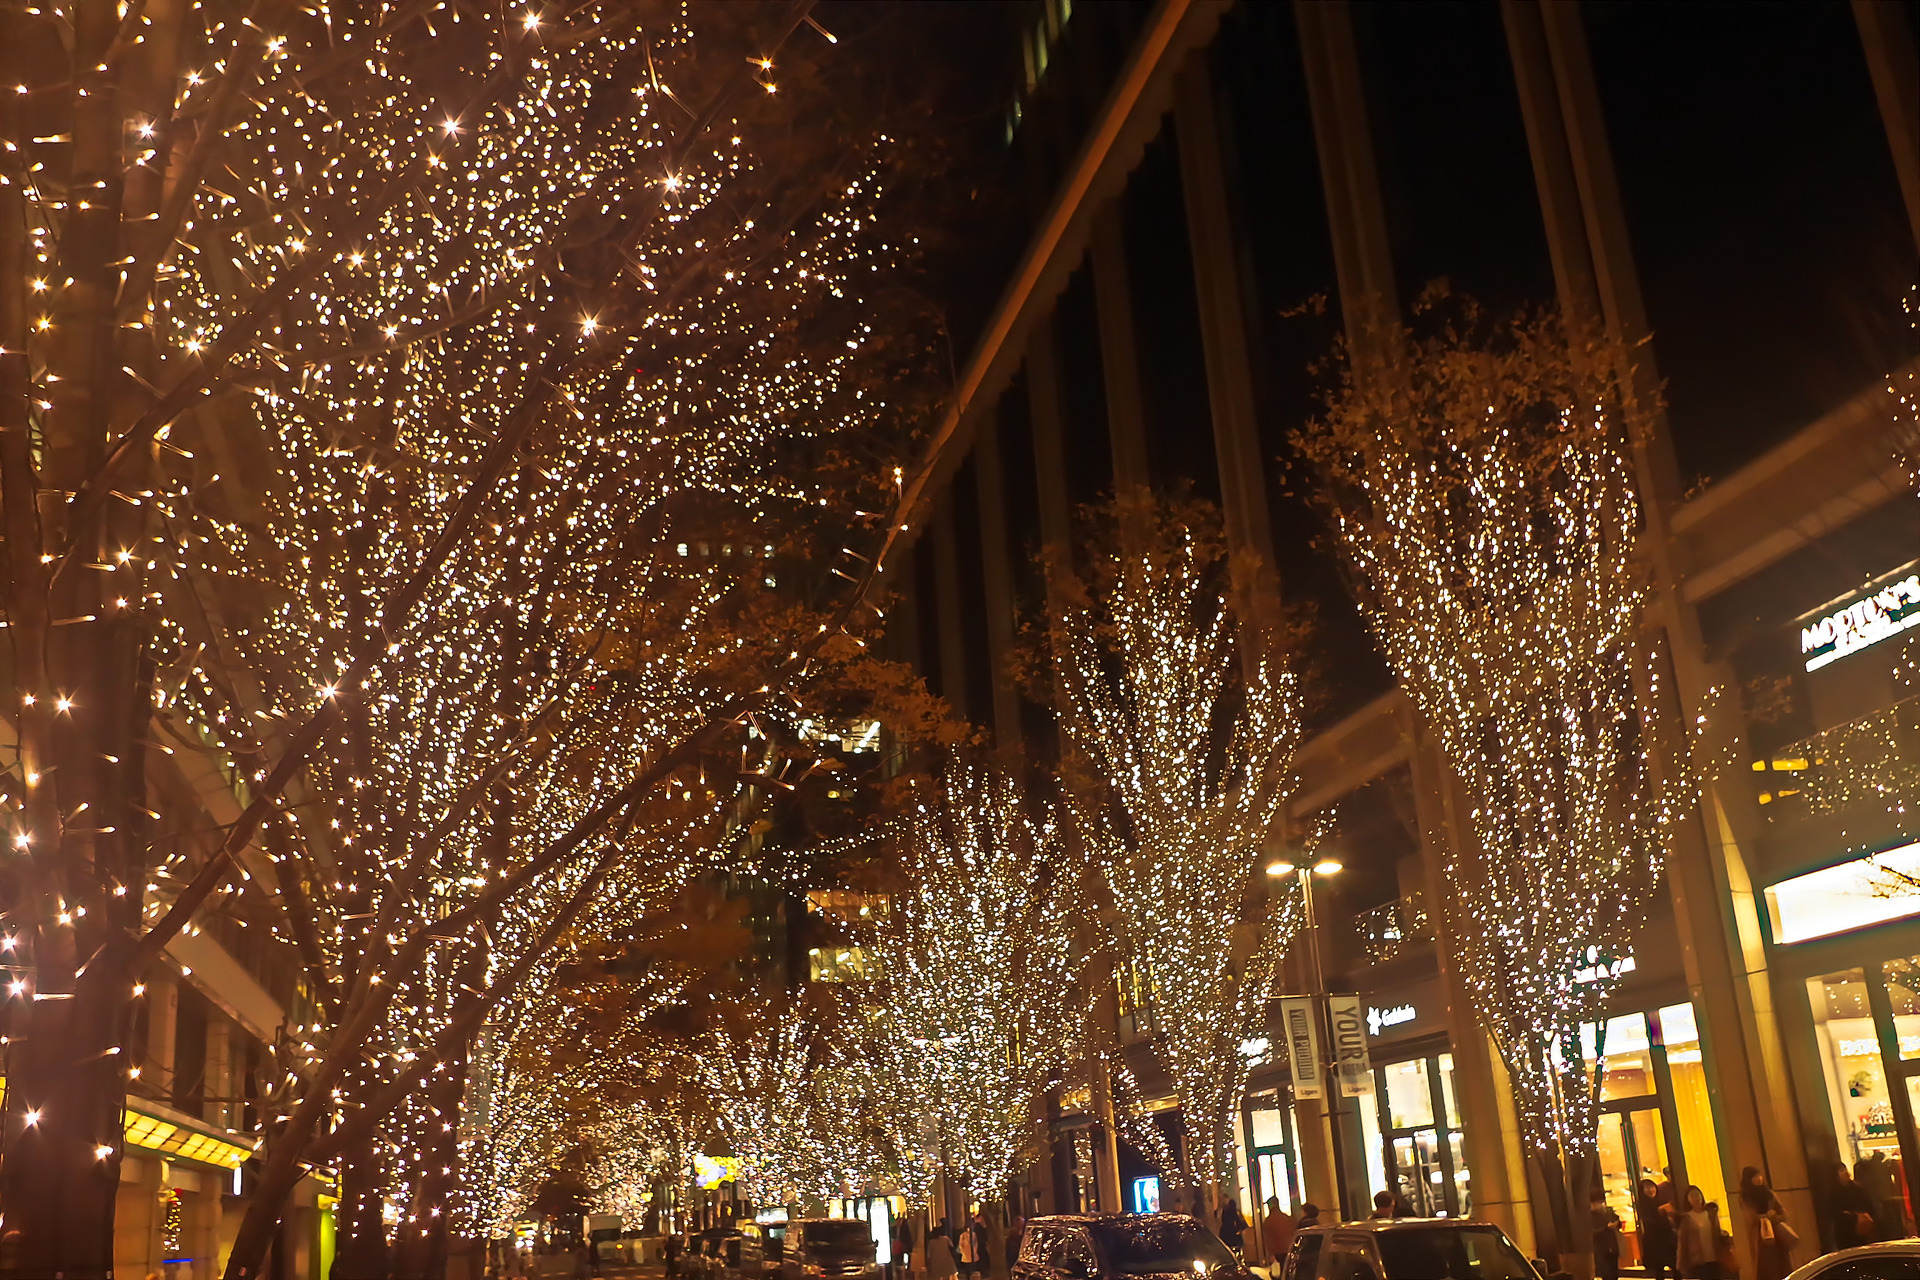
1483,485
1191,745
423,238
979,964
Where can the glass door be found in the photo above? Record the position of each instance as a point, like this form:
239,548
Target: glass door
1866,1024
1421,1137
1417,1173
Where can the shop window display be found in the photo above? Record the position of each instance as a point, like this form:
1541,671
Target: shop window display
1867,1114
1692,1106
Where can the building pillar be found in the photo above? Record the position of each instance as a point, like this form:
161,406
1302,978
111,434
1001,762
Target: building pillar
136,1216
163,1016
996,574
1119,353
199,1219
951,635
1049,451
1887,38
1223,333
219,1072
1363,265
1356,219
1716,905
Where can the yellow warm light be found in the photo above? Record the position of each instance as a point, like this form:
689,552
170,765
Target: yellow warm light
1867,891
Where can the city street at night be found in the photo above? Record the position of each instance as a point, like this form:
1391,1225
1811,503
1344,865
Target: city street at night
960,640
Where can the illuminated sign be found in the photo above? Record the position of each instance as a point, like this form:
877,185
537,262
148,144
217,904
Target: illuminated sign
1146,1195
1853,895
710,1171
1886,609
1379,1018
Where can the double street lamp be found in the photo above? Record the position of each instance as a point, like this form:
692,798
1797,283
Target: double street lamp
1305,875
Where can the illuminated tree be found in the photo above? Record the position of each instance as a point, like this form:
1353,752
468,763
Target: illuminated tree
1184,720
979,977
1482,484
364,379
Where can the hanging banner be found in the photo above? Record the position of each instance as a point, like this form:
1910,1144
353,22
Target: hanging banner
1348,1013
1303,1045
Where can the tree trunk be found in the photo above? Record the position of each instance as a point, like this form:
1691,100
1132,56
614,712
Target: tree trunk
362,1253
420,1252
995,1212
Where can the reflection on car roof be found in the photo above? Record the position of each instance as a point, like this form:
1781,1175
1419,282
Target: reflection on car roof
1392,1224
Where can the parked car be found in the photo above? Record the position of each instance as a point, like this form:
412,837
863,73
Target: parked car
828,1249
1888,1260
1407,1249
1116,1245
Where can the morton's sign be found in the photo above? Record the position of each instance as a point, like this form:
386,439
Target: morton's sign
1880,612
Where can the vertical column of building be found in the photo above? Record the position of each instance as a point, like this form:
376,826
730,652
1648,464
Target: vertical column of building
1369,304
1492,1131
1365,275
1119,354
996,580
951,640
1715,902
220,1111
1050,475
1888,38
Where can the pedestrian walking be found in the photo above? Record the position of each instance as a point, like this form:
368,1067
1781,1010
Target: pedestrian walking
941,1264
903,1246
1700,1237
1606,1236
1309,1216
1770,1240
1850,1208
1233,1227
1277,1231
1653,1220
1383,1206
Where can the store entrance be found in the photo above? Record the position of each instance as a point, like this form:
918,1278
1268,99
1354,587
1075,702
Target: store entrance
1421,1137
1419,1173
1867,1023
1633,1146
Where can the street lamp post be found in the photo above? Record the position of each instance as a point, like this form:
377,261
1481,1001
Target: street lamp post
1317,988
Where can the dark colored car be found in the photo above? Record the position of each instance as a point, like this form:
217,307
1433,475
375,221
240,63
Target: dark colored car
1407,1249
828,1249
1120,1245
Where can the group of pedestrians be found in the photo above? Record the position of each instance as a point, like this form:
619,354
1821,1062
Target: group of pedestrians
949,1253
1687,1239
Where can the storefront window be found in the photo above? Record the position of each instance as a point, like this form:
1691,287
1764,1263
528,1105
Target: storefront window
1903,992
1446,1088
1850,1050
1629,1070
1370,1140
1409,1096
1867,1113
1692,1107
1423,1159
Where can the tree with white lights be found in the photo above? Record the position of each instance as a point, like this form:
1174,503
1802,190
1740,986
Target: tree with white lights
400,412
979,977
1482,484
1186,718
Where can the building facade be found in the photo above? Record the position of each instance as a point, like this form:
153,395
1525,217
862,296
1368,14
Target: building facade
1213,193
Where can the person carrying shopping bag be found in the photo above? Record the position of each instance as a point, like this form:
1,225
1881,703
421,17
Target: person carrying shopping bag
1770,1240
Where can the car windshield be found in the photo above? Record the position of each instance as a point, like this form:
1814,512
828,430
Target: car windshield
1158,1246
840,1236
1450,1253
